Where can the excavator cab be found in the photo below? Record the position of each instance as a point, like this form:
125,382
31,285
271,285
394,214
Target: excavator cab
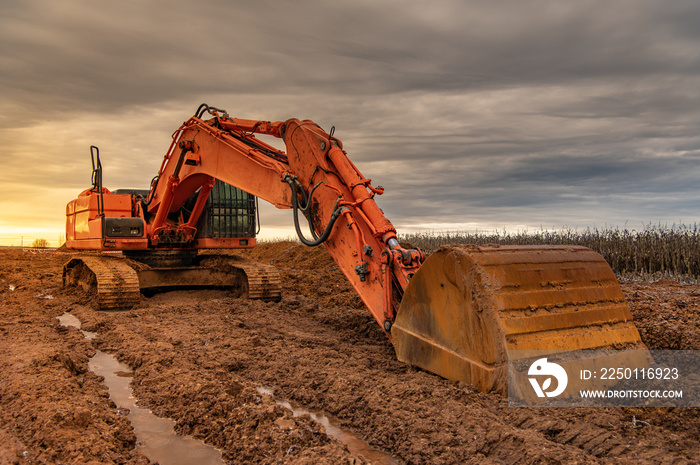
229,213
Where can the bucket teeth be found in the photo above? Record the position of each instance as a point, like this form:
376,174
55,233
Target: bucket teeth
469,305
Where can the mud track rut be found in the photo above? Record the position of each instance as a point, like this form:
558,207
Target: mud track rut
199,356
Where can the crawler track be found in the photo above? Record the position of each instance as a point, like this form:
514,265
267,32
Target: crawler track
111,278
264,282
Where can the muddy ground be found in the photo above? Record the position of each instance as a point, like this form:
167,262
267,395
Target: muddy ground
199,356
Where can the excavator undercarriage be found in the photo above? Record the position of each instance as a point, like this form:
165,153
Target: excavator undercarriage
118,282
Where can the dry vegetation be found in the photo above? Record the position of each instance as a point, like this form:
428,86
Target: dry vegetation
653,252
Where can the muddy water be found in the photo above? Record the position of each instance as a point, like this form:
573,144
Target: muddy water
70,320
156,438
355,444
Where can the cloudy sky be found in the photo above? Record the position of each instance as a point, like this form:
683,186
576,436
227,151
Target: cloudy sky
472,114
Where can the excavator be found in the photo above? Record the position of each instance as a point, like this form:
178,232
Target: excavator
456,313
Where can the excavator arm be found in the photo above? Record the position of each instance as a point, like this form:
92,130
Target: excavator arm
313,177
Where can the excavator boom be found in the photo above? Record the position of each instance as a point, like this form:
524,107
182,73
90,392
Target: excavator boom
456,314
314,177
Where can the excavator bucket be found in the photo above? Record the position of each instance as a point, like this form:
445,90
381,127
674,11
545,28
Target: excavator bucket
467,306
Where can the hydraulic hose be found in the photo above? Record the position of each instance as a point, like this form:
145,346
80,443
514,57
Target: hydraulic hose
295,208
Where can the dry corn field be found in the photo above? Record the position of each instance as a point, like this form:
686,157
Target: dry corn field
653,252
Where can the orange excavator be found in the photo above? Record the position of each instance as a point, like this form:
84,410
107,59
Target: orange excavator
456,313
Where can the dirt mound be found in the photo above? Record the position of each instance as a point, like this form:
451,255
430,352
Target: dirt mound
309,272
203,357
295,256
666,313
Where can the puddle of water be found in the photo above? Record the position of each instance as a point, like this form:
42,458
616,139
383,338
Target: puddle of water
68,319
156,437
355,444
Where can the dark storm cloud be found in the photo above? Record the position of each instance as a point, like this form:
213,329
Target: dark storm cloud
515,112
121,52
467,45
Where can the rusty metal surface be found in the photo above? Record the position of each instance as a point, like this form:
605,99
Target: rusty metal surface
469,305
